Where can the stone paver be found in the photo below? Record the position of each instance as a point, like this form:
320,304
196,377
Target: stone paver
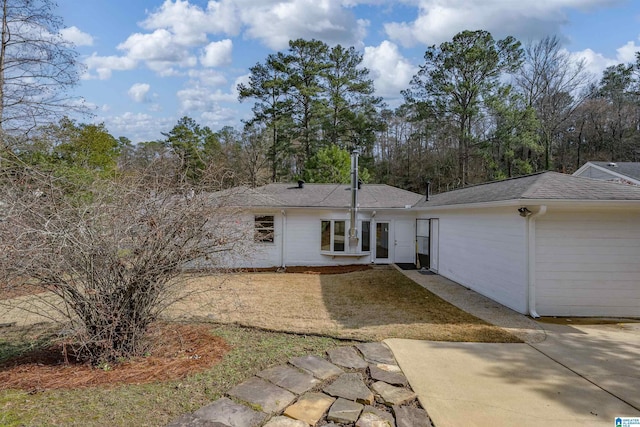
227,412
394,378
289,378
310,408
407,416
262,395
376,352
382,414
347,357
369,419
285,422
317,366
392,395
285,396
190,420
344,411
352,387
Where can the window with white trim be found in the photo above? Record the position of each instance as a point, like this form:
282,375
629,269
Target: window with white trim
333,235
264,228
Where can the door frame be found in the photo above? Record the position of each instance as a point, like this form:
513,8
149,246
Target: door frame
389,258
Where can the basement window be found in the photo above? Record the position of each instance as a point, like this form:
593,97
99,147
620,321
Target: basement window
332,236
264,228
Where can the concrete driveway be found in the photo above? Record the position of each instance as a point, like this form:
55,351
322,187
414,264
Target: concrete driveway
563,375
607,355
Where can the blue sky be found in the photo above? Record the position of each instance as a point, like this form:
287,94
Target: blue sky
150,62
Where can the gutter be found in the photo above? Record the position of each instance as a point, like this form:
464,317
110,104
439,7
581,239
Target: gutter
531,259
284,238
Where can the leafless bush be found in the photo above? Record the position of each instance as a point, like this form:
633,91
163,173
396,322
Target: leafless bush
114,254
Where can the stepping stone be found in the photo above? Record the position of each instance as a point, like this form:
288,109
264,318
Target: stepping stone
393,395
394,378
388,368
347,357
351,387
290,378
285,422
369,419
310,407
344,411
377,352
229,413
190,420
407,416
386,416
262,395
317,366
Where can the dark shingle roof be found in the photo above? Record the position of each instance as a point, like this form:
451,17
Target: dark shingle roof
630,169
373,196
540,186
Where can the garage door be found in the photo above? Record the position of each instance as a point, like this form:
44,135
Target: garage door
588,264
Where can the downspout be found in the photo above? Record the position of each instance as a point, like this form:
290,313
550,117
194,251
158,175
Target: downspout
353,211
283,233
531,259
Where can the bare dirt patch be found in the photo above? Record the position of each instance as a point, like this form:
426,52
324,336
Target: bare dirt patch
175,351
367,305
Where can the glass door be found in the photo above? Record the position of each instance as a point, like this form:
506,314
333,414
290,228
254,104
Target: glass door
382,242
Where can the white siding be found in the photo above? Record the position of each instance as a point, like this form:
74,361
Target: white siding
588,263
485,250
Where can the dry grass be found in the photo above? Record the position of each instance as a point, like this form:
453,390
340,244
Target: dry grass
366,305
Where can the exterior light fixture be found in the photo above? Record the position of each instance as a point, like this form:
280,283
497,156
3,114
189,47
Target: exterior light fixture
524,212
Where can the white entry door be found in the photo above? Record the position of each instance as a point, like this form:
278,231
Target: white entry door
405,240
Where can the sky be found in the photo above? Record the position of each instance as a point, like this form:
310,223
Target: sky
150,62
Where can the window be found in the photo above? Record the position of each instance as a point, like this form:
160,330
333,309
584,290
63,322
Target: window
332,236
264,228
365,242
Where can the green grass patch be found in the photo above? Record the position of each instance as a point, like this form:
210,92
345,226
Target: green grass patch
156,404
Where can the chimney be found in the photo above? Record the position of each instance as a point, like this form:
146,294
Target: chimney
427,190
300,183
353,231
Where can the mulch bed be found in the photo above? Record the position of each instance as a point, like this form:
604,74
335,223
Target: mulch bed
175,352
329,269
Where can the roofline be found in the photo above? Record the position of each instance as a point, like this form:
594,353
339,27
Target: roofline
590,164
523,202
360,208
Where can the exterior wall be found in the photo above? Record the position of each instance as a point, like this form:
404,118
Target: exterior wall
485,250
588,263
297,238
595,173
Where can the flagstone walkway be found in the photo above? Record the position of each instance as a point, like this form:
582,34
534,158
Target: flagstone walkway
359,386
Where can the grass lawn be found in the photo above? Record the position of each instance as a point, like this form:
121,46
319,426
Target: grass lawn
265,318
366,305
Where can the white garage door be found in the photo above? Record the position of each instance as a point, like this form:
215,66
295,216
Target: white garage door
588,264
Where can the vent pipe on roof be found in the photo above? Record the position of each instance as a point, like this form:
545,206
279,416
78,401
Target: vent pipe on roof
427,190
353,231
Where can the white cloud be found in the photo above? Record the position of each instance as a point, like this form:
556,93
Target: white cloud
595,62
138,126
627,53
390,71
76,36
217,53
275,23
138,92
104,65
440,20
190,23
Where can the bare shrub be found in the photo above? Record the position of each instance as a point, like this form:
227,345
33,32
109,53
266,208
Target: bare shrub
114,253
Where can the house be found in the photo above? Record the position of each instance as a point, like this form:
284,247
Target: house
622,172
315,224
545,244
